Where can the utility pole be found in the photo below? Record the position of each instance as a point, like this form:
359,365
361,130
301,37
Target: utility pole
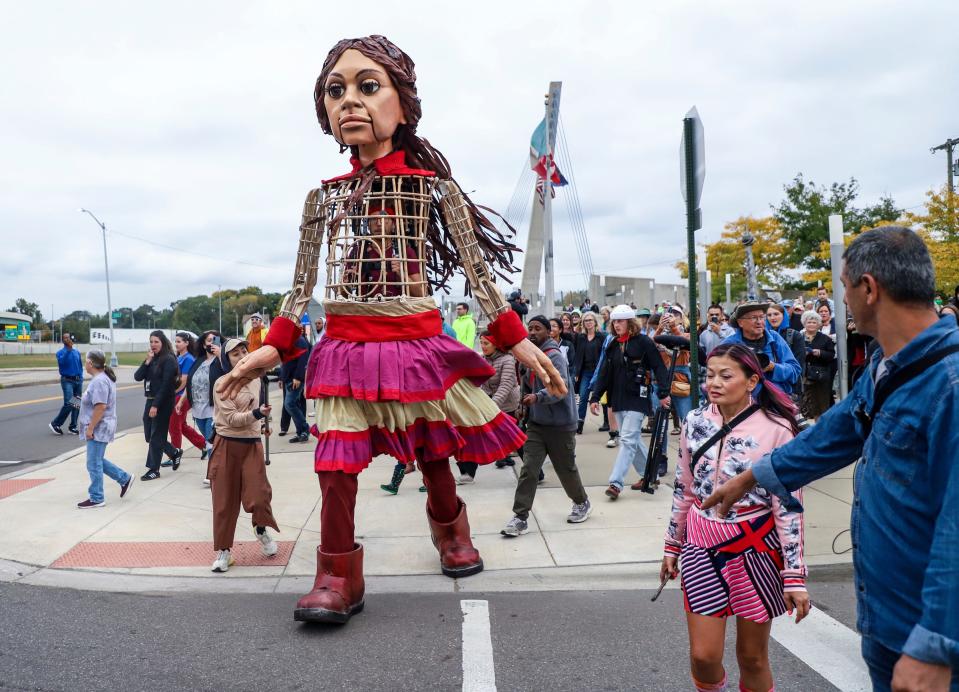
106,266
948,146
752,285
219,295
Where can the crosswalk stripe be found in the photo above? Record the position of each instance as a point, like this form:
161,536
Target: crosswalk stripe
478,672
827,646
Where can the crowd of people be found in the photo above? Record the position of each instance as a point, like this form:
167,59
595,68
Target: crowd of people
739,550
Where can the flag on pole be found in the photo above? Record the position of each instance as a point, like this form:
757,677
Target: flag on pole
538,148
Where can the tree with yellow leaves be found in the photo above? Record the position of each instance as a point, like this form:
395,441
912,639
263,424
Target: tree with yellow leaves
939,227
728,256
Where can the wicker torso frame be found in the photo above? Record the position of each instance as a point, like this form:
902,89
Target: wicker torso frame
376,249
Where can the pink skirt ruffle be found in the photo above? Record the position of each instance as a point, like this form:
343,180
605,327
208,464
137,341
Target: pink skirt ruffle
423,441
404,371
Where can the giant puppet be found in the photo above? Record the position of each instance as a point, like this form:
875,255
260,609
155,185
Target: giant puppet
385,378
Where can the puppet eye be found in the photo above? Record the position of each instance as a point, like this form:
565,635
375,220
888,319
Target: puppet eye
335,91
369,87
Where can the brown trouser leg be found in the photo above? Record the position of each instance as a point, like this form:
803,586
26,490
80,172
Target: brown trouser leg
440,489
256,492
336,513
238,477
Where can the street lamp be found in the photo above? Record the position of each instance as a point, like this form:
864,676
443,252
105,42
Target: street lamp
106,267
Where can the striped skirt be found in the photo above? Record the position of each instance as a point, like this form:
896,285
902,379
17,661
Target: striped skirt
739,574
387,381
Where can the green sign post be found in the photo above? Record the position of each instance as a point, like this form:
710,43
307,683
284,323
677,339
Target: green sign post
692,174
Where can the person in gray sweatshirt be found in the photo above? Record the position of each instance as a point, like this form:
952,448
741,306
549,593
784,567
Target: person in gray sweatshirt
551,430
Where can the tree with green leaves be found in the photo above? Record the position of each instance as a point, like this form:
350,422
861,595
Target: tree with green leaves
25,307
804,217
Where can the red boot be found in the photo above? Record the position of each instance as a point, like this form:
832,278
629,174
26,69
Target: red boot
458,557
338,590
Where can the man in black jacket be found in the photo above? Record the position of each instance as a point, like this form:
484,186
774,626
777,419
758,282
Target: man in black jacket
293,376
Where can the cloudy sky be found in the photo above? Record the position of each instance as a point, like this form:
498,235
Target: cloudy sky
191,125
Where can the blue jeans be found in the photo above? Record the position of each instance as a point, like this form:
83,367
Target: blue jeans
97,466
205,426
584,380
881,661
291,403
632,449
72,387
682,405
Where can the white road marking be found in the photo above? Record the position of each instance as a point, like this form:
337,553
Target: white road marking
10,462
827,646
478,672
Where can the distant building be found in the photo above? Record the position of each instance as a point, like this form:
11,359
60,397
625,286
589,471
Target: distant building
16,327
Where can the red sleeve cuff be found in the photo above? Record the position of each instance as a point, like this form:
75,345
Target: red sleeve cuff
283,336
507,330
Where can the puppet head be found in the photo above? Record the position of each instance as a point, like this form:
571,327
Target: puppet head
389,120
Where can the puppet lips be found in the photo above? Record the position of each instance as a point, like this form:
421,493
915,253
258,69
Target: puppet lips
354,120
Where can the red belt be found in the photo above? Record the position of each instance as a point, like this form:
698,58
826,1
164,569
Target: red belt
365,328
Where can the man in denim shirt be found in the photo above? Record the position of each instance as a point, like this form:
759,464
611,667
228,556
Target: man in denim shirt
71,382
905,515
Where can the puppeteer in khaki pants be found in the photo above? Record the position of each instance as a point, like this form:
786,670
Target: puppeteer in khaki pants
237,471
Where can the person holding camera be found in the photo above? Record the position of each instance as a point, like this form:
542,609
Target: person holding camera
518,303
624,377
715,331
237,470
199,394
673,322
779,364
817,378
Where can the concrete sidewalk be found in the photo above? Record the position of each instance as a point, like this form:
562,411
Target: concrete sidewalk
160,536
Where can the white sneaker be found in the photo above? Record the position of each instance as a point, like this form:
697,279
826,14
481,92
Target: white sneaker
515,527
267,544
612,442
465,479
206,482
223,561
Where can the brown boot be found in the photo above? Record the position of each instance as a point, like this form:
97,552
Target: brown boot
338,590
458,557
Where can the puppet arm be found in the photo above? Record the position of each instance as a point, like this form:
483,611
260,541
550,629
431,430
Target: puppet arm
505,326
280,342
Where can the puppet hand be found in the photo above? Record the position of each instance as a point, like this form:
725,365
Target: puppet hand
251,366
530,355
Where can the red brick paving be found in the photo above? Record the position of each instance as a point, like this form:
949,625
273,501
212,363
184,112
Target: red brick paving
12,487
167,554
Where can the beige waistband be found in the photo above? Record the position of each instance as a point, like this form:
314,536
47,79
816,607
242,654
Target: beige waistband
396,307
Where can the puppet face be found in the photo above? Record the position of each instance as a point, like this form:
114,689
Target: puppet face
361,101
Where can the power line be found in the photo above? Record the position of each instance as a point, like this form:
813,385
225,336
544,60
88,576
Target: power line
191,252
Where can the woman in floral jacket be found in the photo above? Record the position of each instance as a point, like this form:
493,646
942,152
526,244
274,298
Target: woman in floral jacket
748,563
